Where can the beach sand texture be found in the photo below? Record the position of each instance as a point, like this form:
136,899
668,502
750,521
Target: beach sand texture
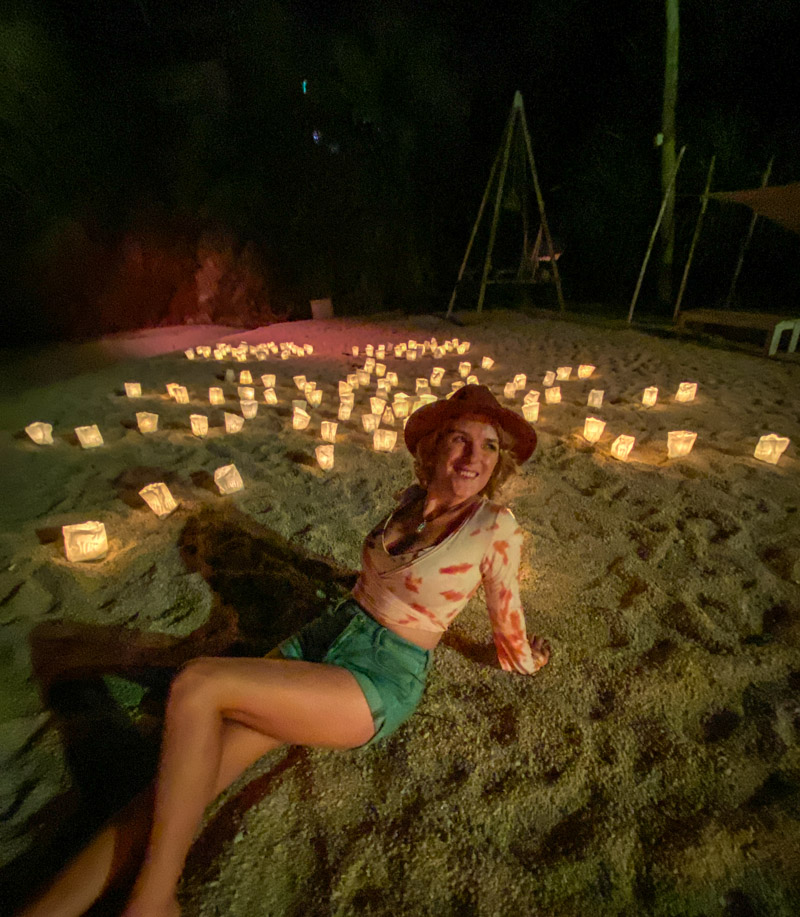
652,767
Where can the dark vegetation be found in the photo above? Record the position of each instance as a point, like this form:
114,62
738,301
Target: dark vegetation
161,163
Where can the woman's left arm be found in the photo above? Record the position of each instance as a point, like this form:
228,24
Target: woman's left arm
500,573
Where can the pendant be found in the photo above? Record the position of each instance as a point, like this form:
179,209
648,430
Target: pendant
420,527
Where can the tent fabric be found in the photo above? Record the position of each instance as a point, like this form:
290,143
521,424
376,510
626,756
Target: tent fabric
780,203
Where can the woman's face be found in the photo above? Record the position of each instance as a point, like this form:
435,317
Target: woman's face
468,454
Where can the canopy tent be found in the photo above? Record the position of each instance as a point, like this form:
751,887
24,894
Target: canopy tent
780,203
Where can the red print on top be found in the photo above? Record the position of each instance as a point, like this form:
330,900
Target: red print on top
456,568
412,582
452,596
502,549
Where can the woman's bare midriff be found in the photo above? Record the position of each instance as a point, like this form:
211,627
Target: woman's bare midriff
426,639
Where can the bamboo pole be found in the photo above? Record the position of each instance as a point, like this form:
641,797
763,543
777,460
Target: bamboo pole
695,237
667,194
747,238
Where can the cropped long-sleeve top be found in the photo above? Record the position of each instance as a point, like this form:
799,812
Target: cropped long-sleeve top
429,590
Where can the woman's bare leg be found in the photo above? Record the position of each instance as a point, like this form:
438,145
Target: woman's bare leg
285,701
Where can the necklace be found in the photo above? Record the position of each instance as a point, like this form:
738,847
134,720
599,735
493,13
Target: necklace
407,541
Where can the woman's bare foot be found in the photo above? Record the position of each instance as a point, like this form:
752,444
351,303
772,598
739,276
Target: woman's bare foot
540,650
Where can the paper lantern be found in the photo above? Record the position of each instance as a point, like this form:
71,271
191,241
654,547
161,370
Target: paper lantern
771,447
455,386
41,433
369,350
249,409
376,405
133,389
228,479
472,380
324,456
400,407
595,399
308,349
216,395
593,429
422,385
268,380
199,424
172,387
362,376
354,350
553,395
563,373
391,378
650,396
230,375
686,391
299,403
411,355
345,410
300,382
380,369
531,397
204,350
245,377
530,411
181,394
147,422
487,363
549,379
448,346
679,443
269,396
621,447
428,398
89,437
585,370
464,369
384,440
246,393
399,351
345,388
85,541
285,354
347,399
315,398
520,381
233,423
369,422
219,354
387,418
352,380
510,391
159,499
437,374
300,419
328,430
369,365
383,387
463,347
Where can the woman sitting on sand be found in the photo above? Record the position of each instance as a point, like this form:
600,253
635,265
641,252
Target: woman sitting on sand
348,678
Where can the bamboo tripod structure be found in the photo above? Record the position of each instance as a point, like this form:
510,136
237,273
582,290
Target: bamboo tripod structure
515,126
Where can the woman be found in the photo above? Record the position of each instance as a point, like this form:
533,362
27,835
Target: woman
349,678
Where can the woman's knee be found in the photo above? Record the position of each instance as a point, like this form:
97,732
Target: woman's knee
195,681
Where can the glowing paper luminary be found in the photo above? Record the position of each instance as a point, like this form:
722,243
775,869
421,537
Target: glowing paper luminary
352,379
230,375
463,347
204,350
384,440
464,369
437,374
472,380
679,443
228,479
245,377
650,396
216,395
487,363
41,433
399,351
249,409
593,429
85,541
159,499
350,399
549,378
510,391
401,406
383,387
376,405
309,387
411,355
199,424
621,447
563,373
369,422
392,379
324,457
300,419
345,388
308,349
455,386
531,397
299,403
530,411
428,398
387,418
89,437
363,377
369,350
328,430
595,399
285,354
354,350
686,391
233,423
380,369
422,385
345,410
369,365
147,422
268,380
771,447
314,398
269,396
133,389
246,393
585,370
300,382
181,394
553,395
520,381
172,387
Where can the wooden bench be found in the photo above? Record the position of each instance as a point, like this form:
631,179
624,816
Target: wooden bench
773,325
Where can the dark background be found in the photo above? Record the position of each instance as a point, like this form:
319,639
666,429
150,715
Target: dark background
143,141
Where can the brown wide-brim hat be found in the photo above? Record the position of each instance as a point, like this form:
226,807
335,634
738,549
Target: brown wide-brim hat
477,400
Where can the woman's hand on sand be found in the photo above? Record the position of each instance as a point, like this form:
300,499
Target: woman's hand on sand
540,650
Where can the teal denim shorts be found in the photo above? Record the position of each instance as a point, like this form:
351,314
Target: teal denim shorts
390,671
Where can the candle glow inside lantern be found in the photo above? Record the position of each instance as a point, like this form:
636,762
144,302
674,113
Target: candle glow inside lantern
300,419
376,405
300,382
285,354
459,383
593,429
369,365
380,370
585,370
622,446
771,447
531,397
345,388
510,391
487,363
387,418
133,389
204,350
383,387
324,457
354,350
159,499
85,541
249,409
245,377
553,395
172,387
314,398
563,373
384,440
352,380
549,378
199,424
369,422
345,410
472,380
464,369
268,380
216,395
686,391
530,411
228,479
428,398
90,436
328,430
422,385
411,354
299,403
233,423
308,349
437,375
269,396
399,351
362,376
147,422
595,399
679,443
463,347
520,380
246,393
392,379
401,406
41,433
650,396
369,350
181,394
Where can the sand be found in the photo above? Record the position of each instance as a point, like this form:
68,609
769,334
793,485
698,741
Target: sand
652,767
